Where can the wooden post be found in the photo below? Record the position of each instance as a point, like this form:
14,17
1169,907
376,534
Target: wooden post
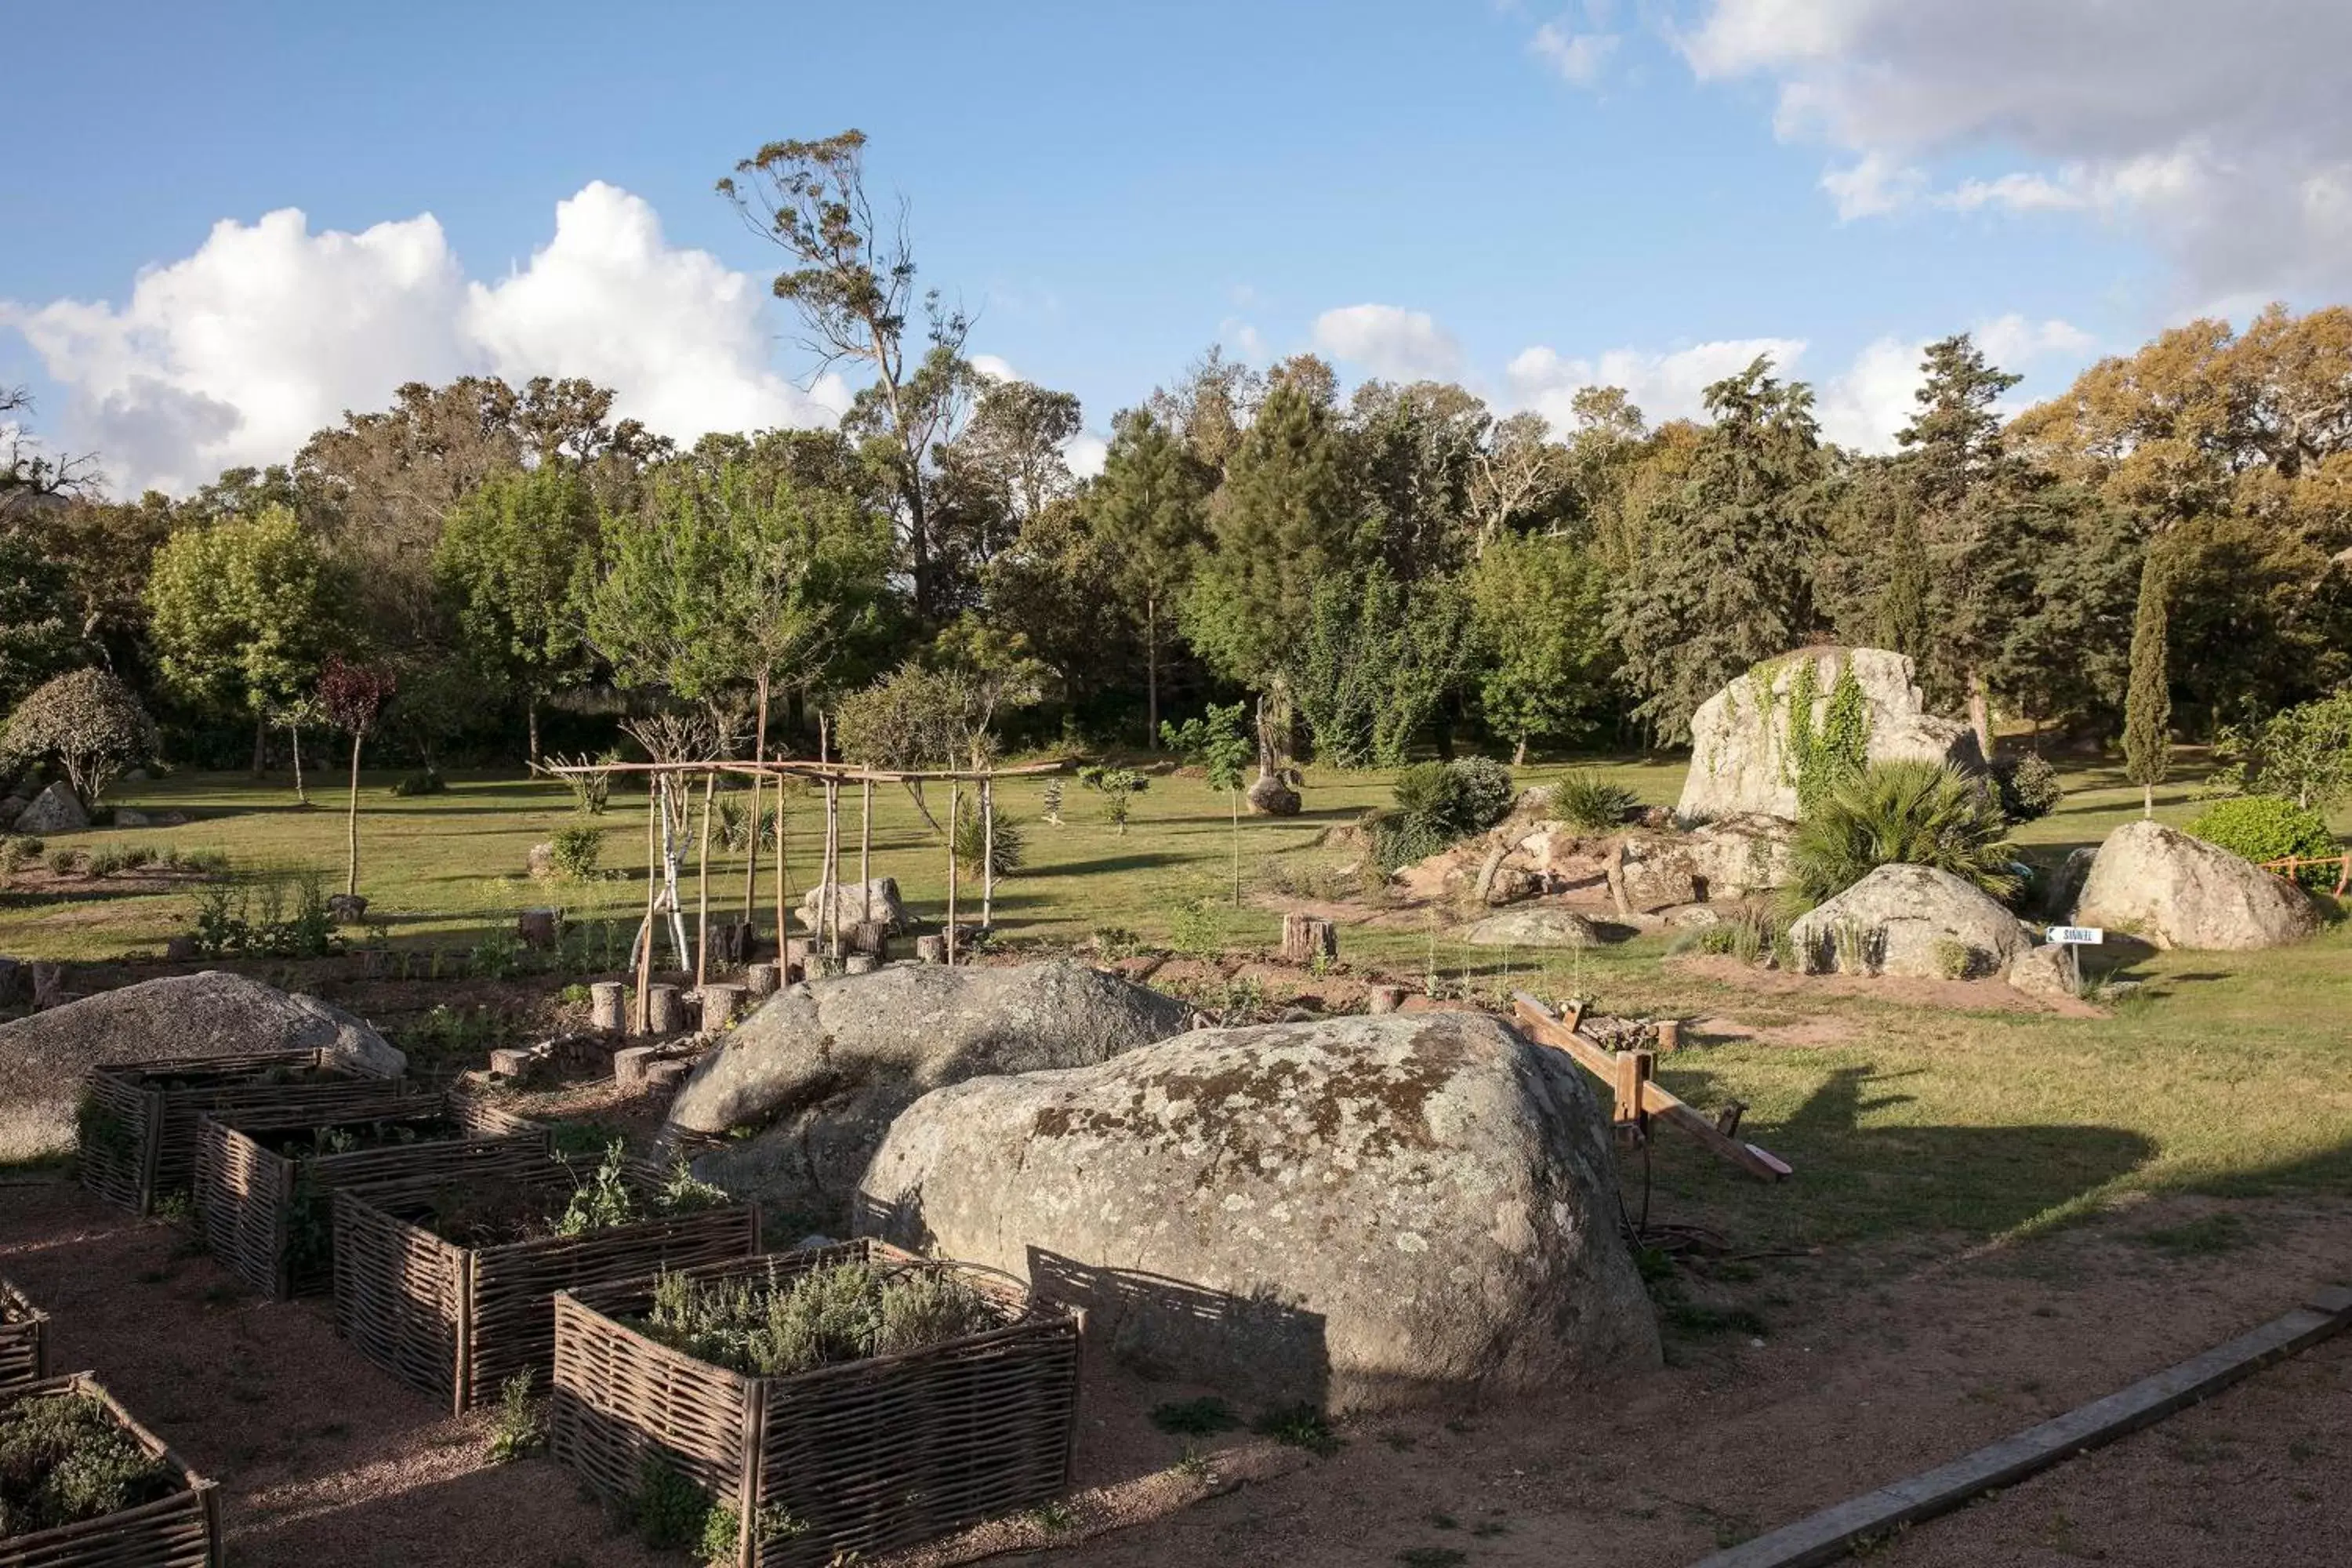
783,878
1670,1036
1633,1068
829,913
752,832
865,853
645,958
606,999
988,852
1306,940
702,878
955,798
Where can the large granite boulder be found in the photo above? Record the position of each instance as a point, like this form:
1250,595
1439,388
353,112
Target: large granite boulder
1359,1212
1911,920
823,1069
53,810
212,1014
1739,737
858,901
2180,891
1740,856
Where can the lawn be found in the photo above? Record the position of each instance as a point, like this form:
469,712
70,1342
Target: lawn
2228,1073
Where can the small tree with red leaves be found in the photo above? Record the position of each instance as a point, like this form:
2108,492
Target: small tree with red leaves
352,695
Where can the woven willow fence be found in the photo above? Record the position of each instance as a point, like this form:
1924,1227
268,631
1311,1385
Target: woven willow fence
458,1320
178,1530
266,1214
24,1339
138,1121
865,1456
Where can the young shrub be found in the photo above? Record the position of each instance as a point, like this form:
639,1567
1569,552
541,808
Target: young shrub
63,860
1482,786
1192,931
106,859
424,781
1955,960
517,1432
1118,787
576,849
1587,800
2029,788
1902,813
2270,827
1009,843
89,720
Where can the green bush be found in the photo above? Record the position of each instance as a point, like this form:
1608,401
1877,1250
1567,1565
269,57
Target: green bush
1586,799
276,914
1903,813
1193,930
1009,842
2270,827
63,861
64,1459
1483,788
842,1312
424,781
576,849
2029,788
1439,804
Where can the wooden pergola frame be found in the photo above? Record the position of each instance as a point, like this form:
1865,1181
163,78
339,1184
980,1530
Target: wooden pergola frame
832,776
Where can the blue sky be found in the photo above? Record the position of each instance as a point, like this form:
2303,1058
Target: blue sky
1530,196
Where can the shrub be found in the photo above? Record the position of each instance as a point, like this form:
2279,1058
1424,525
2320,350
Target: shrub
733,826
2029,788
1192,931
1586,799
516,1432
1483,786
1119,786
15,854
88,722
1902,813
424,781
1010,844
1749,935
106,859
278,914
576,849
591,792
63,861
2270,827
841,1312
64,1459
1955,960
1438,804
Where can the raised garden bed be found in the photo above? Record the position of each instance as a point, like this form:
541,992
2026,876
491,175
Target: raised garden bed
163,1514
263,1180
821,1466
138,1121
24,1339
450,1290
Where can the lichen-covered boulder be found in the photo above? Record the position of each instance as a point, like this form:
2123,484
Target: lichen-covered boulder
2180,891
1740,758
821,1069
1910,919
1658,874
1362,1213
1533,927
2049,971
1740,856
877,900
53,810
44,1058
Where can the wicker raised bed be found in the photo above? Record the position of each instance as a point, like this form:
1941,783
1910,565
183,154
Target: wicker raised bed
458,1320
261,1197
24,1339
180,1529
864,1456
138,1120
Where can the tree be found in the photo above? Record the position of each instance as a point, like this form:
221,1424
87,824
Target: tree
28,475
2148,709
37,631
1538,607
2303,754
1219,743
509,556
1375,659
1210,407
89,722
1411,453
242,612
352,695
853,284
1149,508
1518,479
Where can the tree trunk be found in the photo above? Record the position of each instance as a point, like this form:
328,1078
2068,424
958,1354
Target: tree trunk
1519,754
351,881
702,882
295,731
530,714
260,744
1980,713
2148,800
1237,847
1150,674
752,833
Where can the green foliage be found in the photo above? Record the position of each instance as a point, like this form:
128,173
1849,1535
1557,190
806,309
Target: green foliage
39,635
722,1531
608,1200
972,837
1437,805
576,849
1193,930
1219,743
1957,959
1119,788
511,557
2304,753
666,1510
2270,827
591,792
914,717
63,860
1538,608
1375,661
517,1430
2028,787
1751,935
418,783
1838,749
2147,708
278,912
88,722
780,1325
1903,813
498,954
1299,1425
65,1459
1585,800
242,611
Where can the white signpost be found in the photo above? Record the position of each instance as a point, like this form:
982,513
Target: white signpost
2073,938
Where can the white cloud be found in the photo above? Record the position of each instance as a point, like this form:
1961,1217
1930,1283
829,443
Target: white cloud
1877,394
1875,186
994,368
1389,340
1663,385
2222,131
235,354
1579,58
1084,453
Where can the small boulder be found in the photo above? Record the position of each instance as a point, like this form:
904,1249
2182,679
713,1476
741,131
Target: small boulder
824,1067
878,898
1510,885
129,816
53,810
1910,919
43,1057
541,862
347,909
2048,971
1740,856
2180,891
1533,927
1274,795
1659,875
1360,1213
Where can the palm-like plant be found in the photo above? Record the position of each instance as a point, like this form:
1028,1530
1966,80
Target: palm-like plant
1908,813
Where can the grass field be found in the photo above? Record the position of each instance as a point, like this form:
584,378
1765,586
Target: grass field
2228,1073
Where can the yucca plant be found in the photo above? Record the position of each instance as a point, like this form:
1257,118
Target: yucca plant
1903,813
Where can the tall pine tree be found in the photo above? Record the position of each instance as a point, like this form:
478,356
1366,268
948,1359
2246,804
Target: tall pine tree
1149,511
2147,708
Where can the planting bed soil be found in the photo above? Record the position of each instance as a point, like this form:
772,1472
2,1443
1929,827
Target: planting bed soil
842,1460
24,1339
263,1180
82,1485
138,1121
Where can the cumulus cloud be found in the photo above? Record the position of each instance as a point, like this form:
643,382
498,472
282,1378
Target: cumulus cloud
1579,58
235,354
1664,385
992,367
1389,340
2224,131
1876,396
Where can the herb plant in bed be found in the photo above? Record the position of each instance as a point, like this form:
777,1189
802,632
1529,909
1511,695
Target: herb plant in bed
82,1485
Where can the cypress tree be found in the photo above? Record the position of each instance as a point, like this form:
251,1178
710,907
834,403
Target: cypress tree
2148,707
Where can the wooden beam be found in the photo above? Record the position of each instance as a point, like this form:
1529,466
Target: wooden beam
1832,1533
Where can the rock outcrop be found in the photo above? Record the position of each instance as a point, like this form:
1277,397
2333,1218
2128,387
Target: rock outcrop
1740,856
877,900
1533,927
1361,1212
2180,891
53,810
213,1014
823,1069
1740,759
1910,919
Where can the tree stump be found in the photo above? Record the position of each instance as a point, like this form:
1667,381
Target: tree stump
629,1066
1670,1036
871,938
1384,998
860,963
665,1014
931,949
820,966
537,928
721,1004
664,1077
761,979
608,1005
1307,941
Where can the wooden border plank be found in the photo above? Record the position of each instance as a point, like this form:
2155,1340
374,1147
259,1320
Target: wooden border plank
1830,1534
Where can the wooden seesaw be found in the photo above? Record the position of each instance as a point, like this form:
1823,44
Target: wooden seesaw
1639,1097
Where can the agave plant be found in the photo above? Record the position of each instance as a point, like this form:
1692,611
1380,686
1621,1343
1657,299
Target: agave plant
1906,814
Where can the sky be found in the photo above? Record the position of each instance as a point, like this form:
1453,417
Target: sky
221,227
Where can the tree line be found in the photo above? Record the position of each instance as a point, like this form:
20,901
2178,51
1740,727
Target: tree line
1394,569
